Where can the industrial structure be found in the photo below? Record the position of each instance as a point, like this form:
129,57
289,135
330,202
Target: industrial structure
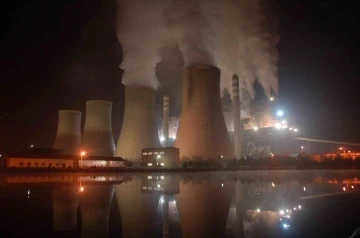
97,139
165,157
68,135
138,129
237,122
165,121
202,130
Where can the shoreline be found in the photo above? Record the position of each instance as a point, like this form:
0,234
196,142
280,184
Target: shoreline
154,170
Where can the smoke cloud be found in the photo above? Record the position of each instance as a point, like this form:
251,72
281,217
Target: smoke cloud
141,31
238,36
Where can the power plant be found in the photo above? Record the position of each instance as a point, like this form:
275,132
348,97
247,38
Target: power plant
138,129
68,135
97,139
202,130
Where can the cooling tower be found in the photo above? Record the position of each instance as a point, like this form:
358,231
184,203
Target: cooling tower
138,129
202,131
95,202
68,136
97,137
237,122
65,204
137,209
203,207
165,121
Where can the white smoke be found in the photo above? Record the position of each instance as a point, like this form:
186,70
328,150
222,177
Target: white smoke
238,36
141,31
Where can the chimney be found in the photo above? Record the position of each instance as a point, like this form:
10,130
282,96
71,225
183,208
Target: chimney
68,135
165,121
237,122
97,137
202,131
138,130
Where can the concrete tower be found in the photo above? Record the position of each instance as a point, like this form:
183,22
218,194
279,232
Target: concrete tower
97,137
203,207
68,136
138,129
165,121
65,204
137,209
202,130
237,121
95,202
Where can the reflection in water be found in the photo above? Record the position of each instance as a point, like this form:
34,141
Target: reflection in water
203,206
95,201
209,204
137,209
65,202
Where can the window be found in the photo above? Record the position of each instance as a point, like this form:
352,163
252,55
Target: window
155,153
162,152
144,188
161,164
145,153
150,153
150,164
150,177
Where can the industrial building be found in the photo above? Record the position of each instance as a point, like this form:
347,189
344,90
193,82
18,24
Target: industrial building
166,157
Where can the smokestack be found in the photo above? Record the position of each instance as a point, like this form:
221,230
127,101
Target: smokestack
68,135
95,202
97,137
165,122
202,130
65,204
237,122
138,129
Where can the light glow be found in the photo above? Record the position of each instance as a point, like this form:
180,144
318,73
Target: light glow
282,212
277,125
256,128
81,189
280,113
162,138
258,210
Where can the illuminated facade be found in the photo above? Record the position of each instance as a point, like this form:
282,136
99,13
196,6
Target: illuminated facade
166,157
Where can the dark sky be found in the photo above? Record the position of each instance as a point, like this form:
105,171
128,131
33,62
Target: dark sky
57,56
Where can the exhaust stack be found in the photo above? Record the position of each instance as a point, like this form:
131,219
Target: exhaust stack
97,136
165,122
138,129
237,122
202,130
68,135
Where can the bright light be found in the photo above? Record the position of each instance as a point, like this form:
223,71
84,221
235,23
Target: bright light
286,225
162,138
256,128
271,99
304,189
158,185
344,189
283,121
28,191
288,216
287,210
352,187
83,153
299,207
295,130
222,185
222,156
349,151
280,113
294,208
272,184
340,148
277,125
158,156
31,146
81,189
282,212
258,210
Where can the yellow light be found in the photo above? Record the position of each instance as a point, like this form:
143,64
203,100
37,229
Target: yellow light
344,189
83,153
352,187
81,189
258,210
272,184
340,148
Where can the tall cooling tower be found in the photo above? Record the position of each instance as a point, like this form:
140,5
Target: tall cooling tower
165,121
97,137
68,136
203,207
95,203
65,204
137,209
202,130
237,122
138,129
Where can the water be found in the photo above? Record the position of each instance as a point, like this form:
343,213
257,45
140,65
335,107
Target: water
208,204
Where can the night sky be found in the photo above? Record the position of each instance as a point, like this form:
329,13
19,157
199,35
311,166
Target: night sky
57,56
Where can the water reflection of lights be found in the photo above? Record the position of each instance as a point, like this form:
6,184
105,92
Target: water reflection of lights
304,189
272,184
288,216
352,187
344,189
162,199
81,189
286,225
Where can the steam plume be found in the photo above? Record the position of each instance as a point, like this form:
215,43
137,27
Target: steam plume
141,32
